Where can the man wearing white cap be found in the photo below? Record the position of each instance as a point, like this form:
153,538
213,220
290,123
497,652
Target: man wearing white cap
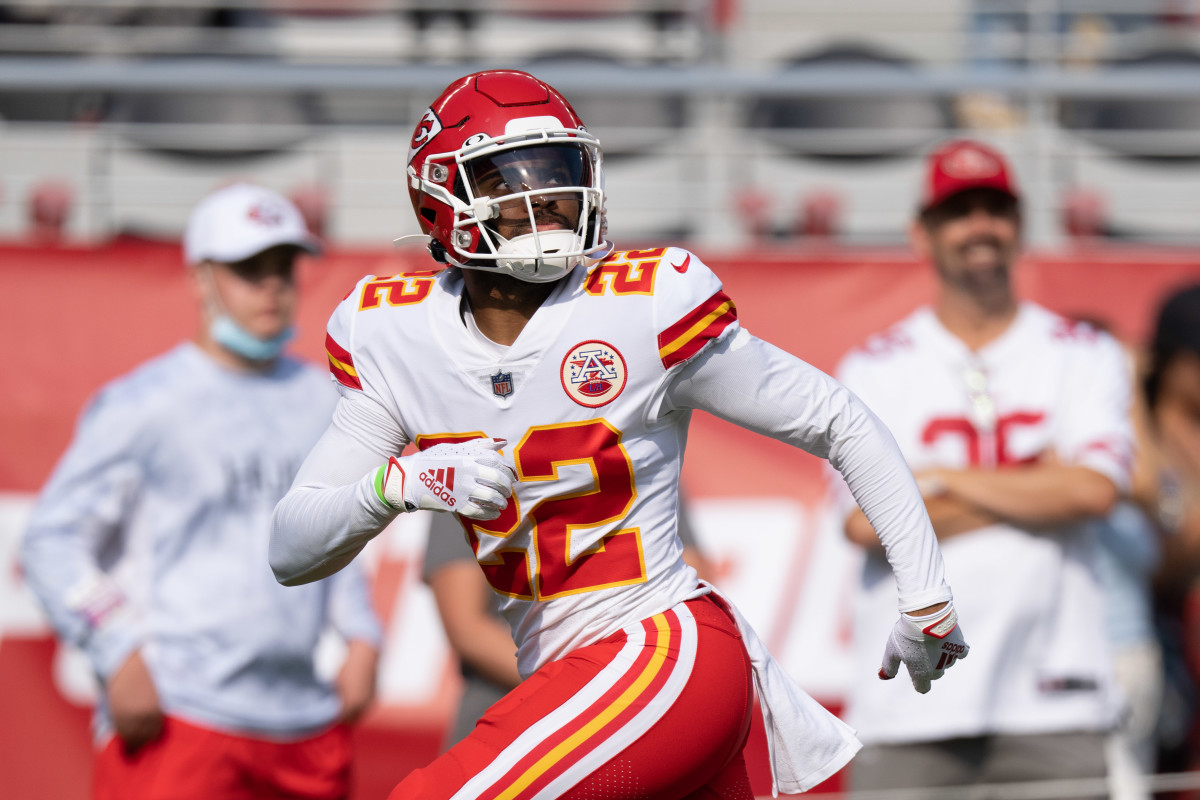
148,545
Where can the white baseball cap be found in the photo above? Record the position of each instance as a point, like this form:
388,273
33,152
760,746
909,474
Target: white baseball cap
242,220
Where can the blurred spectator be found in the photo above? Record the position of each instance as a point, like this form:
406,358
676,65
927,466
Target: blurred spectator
1167,486
1172,393
50,204
1016,423
1128,556
820,215
313,202
1013,32
148,545
470,613
1085,215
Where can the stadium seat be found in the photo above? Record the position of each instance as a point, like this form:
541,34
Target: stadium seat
860,127
1169,124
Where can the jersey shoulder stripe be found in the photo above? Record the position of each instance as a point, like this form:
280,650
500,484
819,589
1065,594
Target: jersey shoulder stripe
701,325
341,364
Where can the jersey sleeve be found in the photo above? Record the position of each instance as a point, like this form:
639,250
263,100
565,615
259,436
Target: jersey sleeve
339,339
759,387
78,522
361,411
1095,429
855,372
691,308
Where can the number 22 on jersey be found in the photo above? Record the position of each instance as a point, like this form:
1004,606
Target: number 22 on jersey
545,568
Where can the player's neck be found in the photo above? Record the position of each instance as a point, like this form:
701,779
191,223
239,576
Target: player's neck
503,305
975,320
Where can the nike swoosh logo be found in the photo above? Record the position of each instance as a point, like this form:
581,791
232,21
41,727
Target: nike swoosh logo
684,266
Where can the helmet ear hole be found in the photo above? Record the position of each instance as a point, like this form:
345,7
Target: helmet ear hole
429,215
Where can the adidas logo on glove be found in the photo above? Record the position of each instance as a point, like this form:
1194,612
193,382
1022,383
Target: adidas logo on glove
441,483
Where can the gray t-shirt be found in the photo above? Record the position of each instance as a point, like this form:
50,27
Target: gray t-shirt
153,531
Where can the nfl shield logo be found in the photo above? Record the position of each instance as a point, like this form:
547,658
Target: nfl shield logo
502,384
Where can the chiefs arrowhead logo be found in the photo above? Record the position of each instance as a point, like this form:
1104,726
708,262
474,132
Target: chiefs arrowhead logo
429,127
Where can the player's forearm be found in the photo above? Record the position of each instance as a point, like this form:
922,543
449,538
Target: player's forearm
331,511
950,517
489,650
1036,495
480,639
878,478
317,531
766,390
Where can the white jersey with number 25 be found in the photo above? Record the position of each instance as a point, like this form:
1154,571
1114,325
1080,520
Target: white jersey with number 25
1048,387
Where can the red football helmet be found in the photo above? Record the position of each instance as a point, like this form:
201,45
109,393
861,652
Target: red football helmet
504,177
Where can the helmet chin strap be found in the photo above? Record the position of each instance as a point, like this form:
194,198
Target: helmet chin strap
226,332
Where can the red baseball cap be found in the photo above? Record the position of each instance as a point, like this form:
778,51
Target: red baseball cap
962,164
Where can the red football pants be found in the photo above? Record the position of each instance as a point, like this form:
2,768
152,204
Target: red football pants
659,710
188,762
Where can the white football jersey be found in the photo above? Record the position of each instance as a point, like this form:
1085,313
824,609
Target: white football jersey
1029,599
591,525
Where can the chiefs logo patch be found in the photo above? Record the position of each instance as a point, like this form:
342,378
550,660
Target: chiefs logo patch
593,373
429,127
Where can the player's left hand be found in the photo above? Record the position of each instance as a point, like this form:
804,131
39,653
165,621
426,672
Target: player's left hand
928,645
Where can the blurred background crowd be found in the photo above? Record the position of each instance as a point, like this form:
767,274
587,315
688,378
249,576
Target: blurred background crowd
784,140
724,121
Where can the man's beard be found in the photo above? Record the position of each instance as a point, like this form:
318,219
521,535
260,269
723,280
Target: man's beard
979,280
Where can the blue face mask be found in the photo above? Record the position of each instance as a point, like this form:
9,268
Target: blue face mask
233,337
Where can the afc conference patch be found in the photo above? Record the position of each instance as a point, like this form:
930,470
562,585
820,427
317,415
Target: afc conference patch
502,384
593,373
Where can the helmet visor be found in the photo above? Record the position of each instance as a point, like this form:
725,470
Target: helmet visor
525,169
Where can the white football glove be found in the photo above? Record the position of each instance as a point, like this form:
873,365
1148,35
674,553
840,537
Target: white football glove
470,478
928,646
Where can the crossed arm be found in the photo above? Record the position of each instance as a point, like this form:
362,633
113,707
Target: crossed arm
1032,496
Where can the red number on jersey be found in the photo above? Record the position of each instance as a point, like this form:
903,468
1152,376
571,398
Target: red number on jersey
401,290
508,570
617,560
983,450
627,272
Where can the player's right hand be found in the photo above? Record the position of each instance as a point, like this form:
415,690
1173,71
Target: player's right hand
469,478
928,645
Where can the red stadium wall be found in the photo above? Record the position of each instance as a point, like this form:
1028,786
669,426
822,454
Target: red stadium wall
77,317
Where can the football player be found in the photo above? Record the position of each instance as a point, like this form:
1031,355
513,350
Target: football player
546,382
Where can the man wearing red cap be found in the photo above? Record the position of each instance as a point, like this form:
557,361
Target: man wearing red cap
1014,421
